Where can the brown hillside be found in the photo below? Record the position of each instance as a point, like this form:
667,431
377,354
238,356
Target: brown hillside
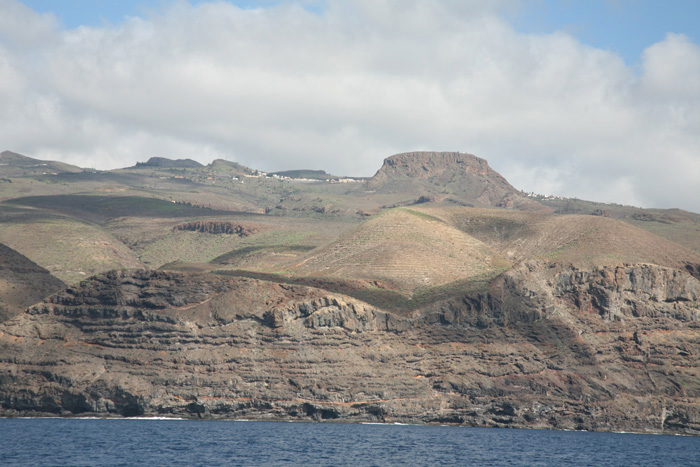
22,283
406,247
462,177
71,250
17,165
585,241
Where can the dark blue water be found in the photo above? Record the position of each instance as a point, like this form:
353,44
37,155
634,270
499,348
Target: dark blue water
81,442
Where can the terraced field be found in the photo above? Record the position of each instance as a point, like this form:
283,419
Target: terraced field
405,247
581,240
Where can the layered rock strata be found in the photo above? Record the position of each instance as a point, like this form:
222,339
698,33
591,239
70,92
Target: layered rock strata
614,348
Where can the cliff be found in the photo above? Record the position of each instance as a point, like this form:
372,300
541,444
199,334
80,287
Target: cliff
434,313
460,177
547,345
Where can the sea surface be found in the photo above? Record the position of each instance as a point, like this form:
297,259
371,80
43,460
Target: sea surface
126,442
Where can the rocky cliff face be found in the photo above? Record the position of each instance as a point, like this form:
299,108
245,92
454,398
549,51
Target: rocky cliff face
424,165
545,346
462,177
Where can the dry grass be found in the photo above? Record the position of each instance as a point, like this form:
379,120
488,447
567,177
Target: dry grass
583,240
71,250
77,224
403,246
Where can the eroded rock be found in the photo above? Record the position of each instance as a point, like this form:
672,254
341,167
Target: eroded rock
529,352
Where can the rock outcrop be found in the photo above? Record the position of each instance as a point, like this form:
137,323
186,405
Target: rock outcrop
545,346
440,311
465,177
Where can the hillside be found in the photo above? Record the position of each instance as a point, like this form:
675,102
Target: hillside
406,248
461,178
228,167
677,225
22,283
165,163
308,174
17,165
435,292
585,241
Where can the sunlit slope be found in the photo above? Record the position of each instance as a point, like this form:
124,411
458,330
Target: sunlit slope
68,248
677,225
406,247
579,239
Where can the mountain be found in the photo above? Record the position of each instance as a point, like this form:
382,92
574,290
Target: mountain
462,178
22,283
165,163
17,165
435,292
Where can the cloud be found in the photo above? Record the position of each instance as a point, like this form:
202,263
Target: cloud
344,84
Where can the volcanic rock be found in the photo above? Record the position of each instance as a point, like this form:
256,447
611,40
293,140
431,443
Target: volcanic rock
608,349
466,177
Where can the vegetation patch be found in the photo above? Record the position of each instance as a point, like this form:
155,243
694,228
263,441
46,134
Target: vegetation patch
218,227
97,206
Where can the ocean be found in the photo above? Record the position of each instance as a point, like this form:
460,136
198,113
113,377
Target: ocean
163,442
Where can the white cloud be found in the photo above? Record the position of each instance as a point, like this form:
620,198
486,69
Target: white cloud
282,87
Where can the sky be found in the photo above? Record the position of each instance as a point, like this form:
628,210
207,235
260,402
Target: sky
595,99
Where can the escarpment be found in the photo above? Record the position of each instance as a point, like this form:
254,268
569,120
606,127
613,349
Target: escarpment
537,290
575,353
435,165
460,177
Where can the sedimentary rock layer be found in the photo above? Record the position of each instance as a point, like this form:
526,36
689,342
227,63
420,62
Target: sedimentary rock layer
607,349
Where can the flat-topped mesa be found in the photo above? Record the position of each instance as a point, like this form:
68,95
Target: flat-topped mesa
460,176
423,164
165,163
